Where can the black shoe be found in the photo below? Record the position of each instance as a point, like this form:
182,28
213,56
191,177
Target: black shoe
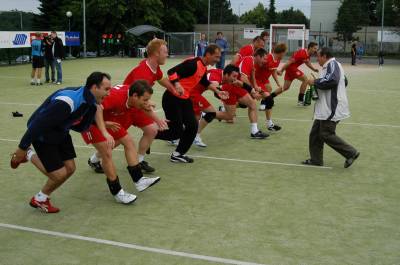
259,135
96,166
274,128
17,114
148,151
181,159
350,161
309,162
146,168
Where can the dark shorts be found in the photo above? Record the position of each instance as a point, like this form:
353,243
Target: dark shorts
53,156
37,61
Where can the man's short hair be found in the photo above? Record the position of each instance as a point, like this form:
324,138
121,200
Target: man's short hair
54,32
211,49
219,32
139,87
280,48
230,68
325,51
312,44
154,45
258,38
96,78
260,52
264,33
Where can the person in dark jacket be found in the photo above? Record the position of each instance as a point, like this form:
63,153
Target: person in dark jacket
58,54
353,54
48,132
48,59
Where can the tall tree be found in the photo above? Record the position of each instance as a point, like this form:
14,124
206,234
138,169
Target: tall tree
350,19
271,14
255,16
291,16
392,12
11,20
50,15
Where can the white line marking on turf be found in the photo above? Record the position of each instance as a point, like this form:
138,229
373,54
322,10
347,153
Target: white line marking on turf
207,157
18,103
346,123
126,245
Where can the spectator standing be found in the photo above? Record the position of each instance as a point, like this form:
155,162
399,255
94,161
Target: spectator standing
58,54
48,59
37,59
201,46
353,54
223,45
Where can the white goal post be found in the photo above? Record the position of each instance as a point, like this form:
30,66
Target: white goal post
295,32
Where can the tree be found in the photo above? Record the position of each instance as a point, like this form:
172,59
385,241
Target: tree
271,14
255,16
350,19
221,12
50,15
291,16
11,20
392,12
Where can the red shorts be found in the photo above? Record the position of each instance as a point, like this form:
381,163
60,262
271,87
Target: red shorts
140,118
292,74
235,93
199,103
93,135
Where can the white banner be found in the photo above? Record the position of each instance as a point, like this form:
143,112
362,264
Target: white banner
250,33
296,34
389,36
22,39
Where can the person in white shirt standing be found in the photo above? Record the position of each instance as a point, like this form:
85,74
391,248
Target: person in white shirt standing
331,107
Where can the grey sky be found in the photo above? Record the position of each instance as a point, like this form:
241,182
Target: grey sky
245,5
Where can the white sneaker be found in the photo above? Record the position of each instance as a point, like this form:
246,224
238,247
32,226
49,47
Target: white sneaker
174,142
300,103
262,107
125,197
146,182
197,141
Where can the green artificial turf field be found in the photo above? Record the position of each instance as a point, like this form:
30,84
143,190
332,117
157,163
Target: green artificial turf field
244,200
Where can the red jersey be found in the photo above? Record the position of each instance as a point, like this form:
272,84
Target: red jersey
246,66
247,50
145,72
264,72
115,106
299,57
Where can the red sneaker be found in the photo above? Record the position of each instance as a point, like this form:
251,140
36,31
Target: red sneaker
44,206
14,163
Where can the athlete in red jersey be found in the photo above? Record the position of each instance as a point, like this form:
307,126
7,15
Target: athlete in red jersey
148,70
177,105
117,113
292,71
248,50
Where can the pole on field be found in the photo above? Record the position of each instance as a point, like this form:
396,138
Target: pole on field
69,15
84,28
208,22
383,17
20,15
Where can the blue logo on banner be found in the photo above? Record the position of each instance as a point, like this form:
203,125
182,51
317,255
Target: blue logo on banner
20,39
72,38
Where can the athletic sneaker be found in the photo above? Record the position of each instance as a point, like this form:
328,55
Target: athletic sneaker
45,206
309,162
96,166
274,128
259,135
351,160
58,83
14,163
197,141
125,197
145,182
300,103
146,167
181,159
174,142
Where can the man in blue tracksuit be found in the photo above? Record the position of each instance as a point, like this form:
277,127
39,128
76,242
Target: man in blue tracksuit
224,46
48,132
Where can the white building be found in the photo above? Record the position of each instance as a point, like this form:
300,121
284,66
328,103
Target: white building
324,14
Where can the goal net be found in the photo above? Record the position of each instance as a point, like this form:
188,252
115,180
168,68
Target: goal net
294,35
182,43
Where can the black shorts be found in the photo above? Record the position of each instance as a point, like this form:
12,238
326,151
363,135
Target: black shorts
53,156
37,61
